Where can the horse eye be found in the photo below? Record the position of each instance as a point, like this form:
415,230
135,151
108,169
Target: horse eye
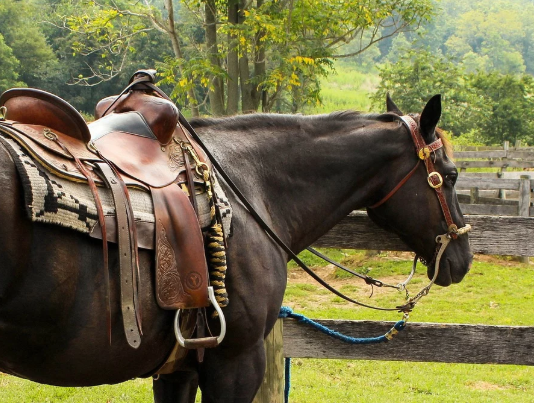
452,177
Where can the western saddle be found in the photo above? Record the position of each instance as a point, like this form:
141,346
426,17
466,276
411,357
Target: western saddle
136,141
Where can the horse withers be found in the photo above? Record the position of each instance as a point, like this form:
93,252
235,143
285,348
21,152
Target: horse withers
303,174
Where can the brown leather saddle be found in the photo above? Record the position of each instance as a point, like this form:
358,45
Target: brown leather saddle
137,140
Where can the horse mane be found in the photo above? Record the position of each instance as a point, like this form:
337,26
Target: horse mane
447,144
316,122
270,120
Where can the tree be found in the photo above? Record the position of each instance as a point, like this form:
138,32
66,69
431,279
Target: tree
509,107
26,39
9,66
491,107
259,54
418,75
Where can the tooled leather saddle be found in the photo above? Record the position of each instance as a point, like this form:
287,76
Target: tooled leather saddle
137,141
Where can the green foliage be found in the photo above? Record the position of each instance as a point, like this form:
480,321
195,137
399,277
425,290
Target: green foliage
508,111
345,88
24,50
284,48
417,75
9,65
492,107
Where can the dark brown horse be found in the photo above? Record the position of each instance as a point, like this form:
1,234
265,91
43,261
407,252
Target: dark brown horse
303,175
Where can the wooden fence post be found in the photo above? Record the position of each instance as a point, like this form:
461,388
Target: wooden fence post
272,388
473,195
506,146
524,203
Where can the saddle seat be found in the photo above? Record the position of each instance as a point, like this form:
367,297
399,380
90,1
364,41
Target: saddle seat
138,143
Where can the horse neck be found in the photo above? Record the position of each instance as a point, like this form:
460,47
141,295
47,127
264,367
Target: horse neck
304,174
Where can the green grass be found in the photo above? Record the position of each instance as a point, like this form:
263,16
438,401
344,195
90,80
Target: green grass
497,293
346,88
15,390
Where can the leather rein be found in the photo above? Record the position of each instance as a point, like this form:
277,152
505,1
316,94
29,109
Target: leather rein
435,181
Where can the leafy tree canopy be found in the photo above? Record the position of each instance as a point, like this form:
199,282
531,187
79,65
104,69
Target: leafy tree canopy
264,54
491,107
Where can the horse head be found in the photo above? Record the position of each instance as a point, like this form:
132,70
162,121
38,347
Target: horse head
419,202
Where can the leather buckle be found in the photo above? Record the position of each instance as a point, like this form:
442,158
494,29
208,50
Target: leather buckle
431,182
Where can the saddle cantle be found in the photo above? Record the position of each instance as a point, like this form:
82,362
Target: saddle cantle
37,107
138,141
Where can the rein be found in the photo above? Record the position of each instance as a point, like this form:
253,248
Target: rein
435,181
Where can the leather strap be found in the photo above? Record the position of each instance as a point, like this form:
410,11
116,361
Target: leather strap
127,280
133,240
424,152
190,181
399,185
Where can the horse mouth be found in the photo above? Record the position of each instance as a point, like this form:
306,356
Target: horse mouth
450,272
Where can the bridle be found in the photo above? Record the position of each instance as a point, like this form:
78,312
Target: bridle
435,180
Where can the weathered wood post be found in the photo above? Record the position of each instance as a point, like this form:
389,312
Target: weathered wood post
524,203
272,388
506,146
473,195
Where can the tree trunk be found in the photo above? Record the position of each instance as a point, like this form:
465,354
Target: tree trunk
232,62
247,104
216,89
258,94
193,102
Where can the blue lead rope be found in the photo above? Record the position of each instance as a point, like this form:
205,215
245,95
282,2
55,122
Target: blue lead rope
286,312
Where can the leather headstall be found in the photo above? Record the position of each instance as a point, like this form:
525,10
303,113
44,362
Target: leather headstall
424,153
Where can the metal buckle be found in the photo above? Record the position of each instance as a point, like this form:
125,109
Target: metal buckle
429,179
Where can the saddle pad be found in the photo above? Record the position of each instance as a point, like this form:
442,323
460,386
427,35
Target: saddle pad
54,200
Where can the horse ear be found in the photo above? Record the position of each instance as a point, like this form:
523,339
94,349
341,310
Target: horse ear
430,117
391,107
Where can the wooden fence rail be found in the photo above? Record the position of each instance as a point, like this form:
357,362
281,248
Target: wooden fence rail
476,203
425,342
490,235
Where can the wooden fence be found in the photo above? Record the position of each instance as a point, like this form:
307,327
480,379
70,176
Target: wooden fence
428,342
503,192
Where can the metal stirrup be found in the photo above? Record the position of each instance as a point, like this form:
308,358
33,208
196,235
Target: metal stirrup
206,341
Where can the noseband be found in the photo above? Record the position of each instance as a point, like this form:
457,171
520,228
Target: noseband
424,153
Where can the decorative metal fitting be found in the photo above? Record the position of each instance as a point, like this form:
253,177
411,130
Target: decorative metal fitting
49,134
453,229
424,153
431,182
91,146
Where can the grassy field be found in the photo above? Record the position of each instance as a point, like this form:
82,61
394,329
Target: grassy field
346,88
496,291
